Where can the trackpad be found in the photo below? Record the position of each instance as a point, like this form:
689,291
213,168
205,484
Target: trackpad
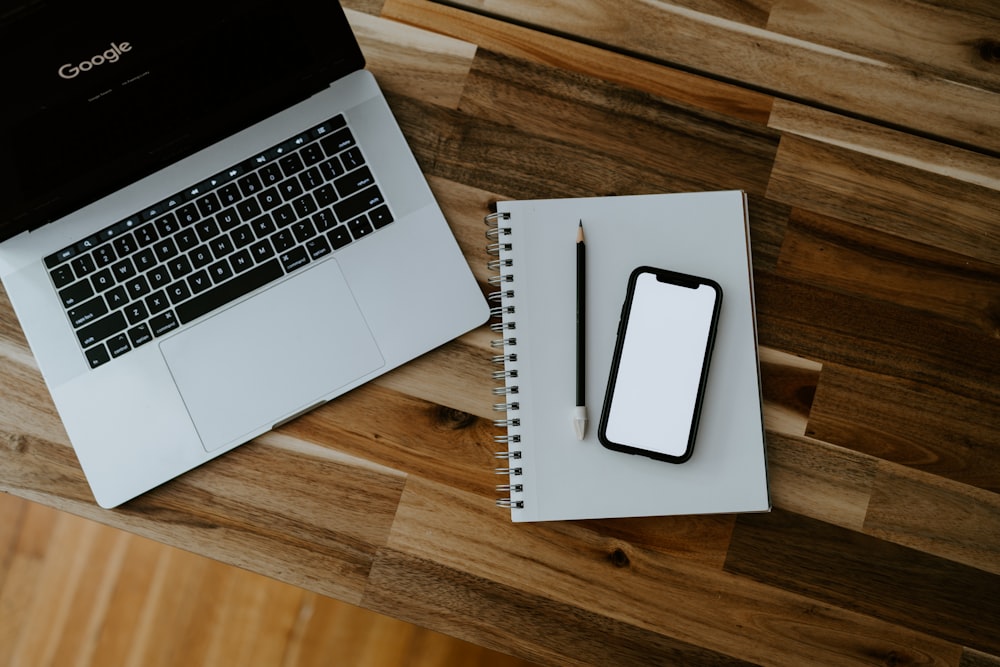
272,356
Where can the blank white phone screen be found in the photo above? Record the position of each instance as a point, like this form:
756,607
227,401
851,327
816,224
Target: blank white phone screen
660,365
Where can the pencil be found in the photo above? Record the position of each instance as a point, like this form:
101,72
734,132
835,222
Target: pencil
580,415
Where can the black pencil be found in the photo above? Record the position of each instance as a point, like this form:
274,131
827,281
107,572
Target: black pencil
580,416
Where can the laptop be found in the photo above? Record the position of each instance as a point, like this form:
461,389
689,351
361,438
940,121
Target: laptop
210,224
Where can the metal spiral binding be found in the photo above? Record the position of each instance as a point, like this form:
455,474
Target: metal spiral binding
502,311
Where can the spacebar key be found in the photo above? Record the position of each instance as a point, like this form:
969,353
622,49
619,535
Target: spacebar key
244,283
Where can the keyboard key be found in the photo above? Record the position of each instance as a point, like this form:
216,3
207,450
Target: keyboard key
157,302
304,206
103,280
220,271
207,229
248,209
241,261
360,227
137,287
352,159
303,230
311,178
262,250
146,234
332,168
357,204
242,236
200,256
244,283
119,345
209,205
338,141
221,246
318,247
295,258
158,277
163,323
97,356
291,164
283,240
325,220
165,249
167,225
179,267
339,237
62,276
104,255
229,194
88,311
76,293
228,219
263,226
83,264
140,335
325,195
284,215
123,270
188,215
353,182
271,175
199,281
312,154
116,298
144,260
269,198
101,329
380,217
250,184
178,291
290,189
124,245
136,312
186,239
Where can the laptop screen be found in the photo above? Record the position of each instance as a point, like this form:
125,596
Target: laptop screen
97,95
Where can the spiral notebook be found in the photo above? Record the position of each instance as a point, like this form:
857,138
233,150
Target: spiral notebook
548,474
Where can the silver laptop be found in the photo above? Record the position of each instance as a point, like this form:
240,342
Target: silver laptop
210,223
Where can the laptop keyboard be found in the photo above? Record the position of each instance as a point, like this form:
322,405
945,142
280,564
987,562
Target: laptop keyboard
216,241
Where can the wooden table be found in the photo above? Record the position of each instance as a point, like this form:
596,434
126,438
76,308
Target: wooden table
867,134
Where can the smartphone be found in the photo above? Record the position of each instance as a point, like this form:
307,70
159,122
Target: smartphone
660,364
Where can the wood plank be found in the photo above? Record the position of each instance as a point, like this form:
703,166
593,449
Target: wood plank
529,625
97,596
788,384
414,62
841,567
916,424
566,563
869,264
925,36
936,516
877,337
567,54
820,481
796,69
534,98
898,199
864,138
413,436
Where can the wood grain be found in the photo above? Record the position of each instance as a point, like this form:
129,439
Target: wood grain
73,592
867,139
714,39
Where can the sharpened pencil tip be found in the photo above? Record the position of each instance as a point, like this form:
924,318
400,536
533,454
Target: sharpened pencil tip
579,233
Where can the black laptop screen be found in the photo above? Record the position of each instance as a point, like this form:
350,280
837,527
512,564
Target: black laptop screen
97,95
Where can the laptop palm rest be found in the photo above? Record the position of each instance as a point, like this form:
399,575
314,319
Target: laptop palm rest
251,366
